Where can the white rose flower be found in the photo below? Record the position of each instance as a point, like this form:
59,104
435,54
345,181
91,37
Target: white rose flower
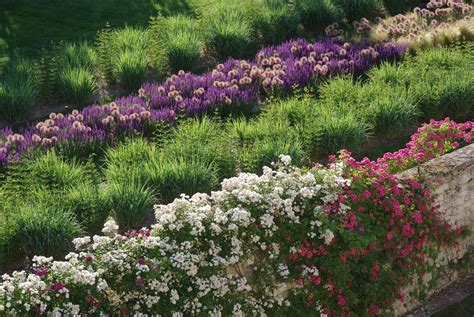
110,228
328,235
285,159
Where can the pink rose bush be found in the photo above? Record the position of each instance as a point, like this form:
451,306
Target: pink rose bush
335,241
431,140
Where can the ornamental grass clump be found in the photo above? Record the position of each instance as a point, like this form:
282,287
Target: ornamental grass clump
124,56
273,21
386,111
76,64
181,166
437,80
227,31
316,15
77,55
452,98
203,138
77,84
129,158
342,90
264,152
41,229
335,131
263,140
392,114
89,204
357,9
291,241
178,43
18,89
183,175
131,68
51,172
296,111
130,203
184,51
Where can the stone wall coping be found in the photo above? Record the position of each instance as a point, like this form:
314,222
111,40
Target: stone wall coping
455,162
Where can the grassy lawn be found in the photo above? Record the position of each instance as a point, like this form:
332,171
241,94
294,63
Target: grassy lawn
27,26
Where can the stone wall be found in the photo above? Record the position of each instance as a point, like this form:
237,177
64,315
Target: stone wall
450,179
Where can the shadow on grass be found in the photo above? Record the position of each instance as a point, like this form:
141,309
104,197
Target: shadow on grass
28,26
463,308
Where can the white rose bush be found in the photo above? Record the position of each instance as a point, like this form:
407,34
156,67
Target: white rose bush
305,241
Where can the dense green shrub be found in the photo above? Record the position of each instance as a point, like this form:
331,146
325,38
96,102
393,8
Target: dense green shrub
130,203
18,89
50,172
357,9
316,15
227,30
40,229
274,21
77,84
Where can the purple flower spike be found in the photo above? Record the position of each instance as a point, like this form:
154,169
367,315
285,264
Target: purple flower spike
236,85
